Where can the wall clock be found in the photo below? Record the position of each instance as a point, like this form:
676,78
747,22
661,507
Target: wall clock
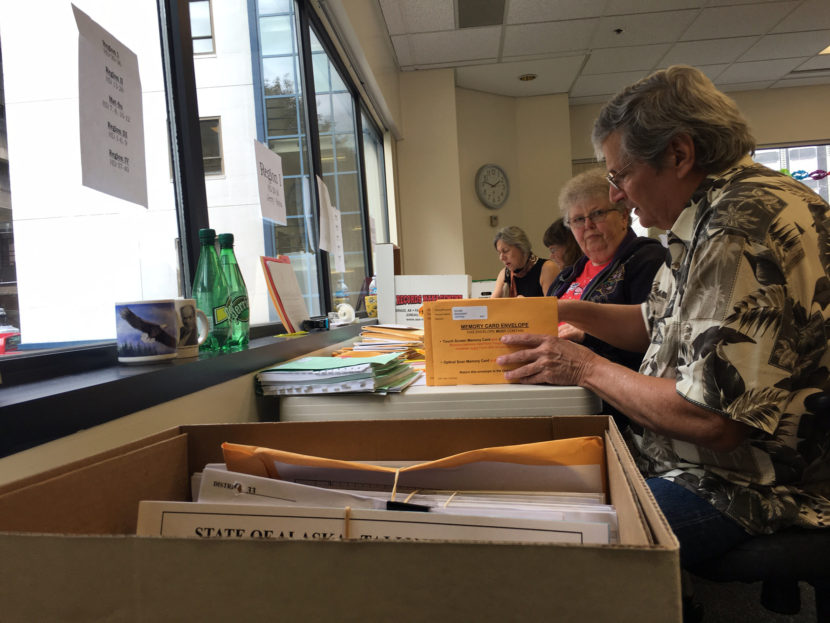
492,186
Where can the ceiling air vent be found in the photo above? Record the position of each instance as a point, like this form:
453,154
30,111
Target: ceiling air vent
477,13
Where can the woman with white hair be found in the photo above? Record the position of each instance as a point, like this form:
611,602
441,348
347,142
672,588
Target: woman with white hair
524,274
617,266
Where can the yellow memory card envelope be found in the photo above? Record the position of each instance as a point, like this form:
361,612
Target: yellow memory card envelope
462,336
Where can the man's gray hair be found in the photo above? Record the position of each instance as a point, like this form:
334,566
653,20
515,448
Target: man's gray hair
515,237
679,100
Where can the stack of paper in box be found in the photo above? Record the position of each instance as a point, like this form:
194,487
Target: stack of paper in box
387,338
551,491
326,375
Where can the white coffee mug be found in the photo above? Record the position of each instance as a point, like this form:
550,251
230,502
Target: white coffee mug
150,331
191,334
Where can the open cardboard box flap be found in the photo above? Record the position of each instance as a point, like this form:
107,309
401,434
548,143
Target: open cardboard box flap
98,498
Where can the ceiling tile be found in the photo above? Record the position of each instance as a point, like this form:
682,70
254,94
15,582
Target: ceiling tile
707,52
800,82
402,51
453,45
588,99
822,61
740,44
624,7
393,16
737,21
745,86
642,29
811,15
604,84
759,70
788,45
534,11
553,76
624,59
756,3
409,16
548,37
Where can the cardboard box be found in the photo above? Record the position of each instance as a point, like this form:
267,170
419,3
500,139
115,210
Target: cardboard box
400,297
69,552
482,288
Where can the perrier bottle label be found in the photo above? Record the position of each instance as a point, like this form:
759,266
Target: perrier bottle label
239,310
220,314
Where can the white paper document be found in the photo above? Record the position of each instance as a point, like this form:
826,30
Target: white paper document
111,114
271,184
217,484
236,521
331,229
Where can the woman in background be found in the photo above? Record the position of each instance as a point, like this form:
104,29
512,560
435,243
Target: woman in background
523,274
560,241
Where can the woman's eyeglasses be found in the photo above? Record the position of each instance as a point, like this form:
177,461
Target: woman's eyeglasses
596,216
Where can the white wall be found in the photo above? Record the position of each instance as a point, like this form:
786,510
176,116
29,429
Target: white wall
432,240
776,116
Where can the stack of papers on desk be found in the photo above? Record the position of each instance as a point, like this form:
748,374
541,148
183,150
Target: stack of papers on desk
327,375
387,338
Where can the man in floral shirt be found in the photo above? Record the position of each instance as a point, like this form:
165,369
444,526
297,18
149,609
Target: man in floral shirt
732,400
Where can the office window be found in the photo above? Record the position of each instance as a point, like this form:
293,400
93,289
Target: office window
800,162
375,181
283,128
102,249
337,128
211,145
75,250
201,26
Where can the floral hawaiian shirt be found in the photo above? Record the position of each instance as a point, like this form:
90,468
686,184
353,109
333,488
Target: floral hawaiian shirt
740,317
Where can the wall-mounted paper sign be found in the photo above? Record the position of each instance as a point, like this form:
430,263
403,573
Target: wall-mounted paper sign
111,115
331,230
271,187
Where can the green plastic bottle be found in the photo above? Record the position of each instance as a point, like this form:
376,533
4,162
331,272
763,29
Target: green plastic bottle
211,293
238,309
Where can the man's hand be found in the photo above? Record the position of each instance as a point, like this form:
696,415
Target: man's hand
545,359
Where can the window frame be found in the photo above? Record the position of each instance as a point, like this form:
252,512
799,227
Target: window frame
221,156
211,37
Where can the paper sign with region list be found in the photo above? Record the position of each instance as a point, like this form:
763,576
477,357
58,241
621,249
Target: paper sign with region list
461,337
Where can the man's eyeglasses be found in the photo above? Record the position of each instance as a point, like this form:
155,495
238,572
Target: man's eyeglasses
597,216
614,178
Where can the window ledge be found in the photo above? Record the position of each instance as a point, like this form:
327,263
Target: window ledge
41,411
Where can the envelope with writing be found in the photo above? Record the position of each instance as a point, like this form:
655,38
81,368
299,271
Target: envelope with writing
462,337
575,464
